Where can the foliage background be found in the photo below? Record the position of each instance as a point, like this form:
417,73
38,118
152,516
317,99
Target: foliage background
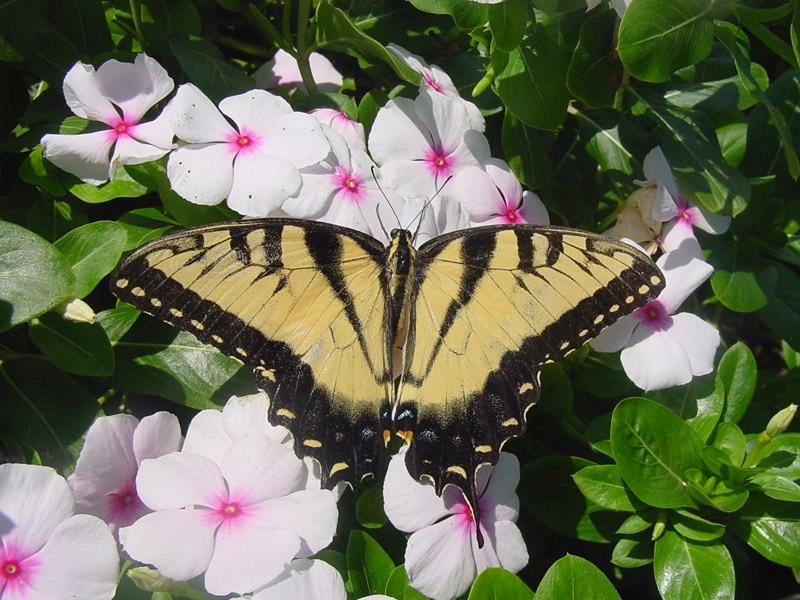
673,495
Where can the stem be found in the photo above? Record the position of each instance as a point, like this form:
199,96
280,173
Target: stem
136,13
253,49
752,456
303,50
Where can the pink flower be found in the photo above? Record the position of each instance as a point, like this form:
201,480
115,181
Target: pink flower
494,195
282,69
420,144
661,349
350,130
240,519
46,551
442,557
104,481
222,161
117,94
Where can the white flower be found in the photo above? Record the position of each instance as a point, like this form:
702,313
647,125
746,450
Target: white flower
282,69
340,189
420,144
307,580
46,551
104,481
660,349
435,79
117,94
619,5
494,195
240,521
255,164
442,557
352,131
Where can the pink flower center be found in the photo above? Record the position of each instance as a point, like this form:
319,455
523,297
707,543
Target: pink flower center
124,505
432,83
440,162
121,128
243,142
653,315
16,572
509,214
350,185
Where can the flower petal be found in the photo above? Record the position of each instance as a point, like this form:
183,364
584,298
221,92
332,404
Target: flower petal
179,479
533,210
684,274
298,138
85,155
709,221
254,195
446,118
398,133
260,468
350,130
679,235
699,339
244,416
195,119
477,193
282,69
657,169
654,360
33,501
207,436
248,556
439,560
312,514
306,579
255,111
83,96
503,547
129,151
134,87
201,173
157,132
179,543
615,336
80,560
497,489
410,505
156,435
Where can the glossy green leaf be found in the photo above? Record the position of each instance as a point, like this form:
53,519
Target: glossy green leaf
122,186
92,251
719,463
77,348
632,552
144,224
732,140
695,527
771,528
699,402
531,81
776,486
575,578
781,456
206,67
51,218
368,565
525,150
44,409
40,172
369,507
658,37
34,276
603,485
117,321
729,439
637,523
737,371
398,587
499,584
688,570
782,312
465,13
614,141
507,21
720,494
594,72
742,280
653,448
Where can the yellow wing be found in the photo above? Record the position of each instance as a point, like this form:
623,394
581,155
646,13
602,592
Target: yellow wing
301,302
489,305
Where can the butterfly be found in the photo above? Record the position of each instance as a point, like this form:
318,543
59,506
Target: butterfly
317,310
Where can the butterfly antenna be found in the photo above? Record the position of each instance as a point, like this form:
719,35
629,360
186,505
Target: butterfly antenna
424,206
377,207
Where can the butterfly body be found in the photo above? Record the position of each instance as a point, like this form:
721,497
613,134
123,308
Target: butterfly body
317,311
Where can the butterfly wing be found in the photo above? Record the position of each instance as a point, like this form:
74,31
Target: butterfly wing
303,304
489,305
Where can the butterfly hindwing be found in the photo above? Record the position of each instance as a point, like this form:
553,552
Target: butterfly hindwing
489,306
300,302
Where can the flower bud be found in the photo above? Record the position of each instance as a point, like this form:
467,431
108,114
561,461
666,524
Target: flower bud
76,310
781,420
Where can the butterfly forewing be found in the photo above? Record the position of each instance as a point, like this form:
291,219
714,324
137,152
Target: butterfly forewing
301,302
489,306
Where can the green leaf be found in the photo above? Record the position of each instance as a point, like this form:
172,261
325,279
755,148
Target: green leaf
687,570
733,142
144,224
495,583
507,21
153,358
44,409
637,523
34,276
206,67
614,141
531,81
42,173
525,150
369,507
603,485
782,312
742,280
465,13
722,495
658,37
573,577
771,528
398,586
122,186
737,371
92,251
594,72
51,218
549,494
630,553
694,527
653,448
77,348
368,565
699,402
781,456
719,463
334,26
728,438
776,486
117,321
